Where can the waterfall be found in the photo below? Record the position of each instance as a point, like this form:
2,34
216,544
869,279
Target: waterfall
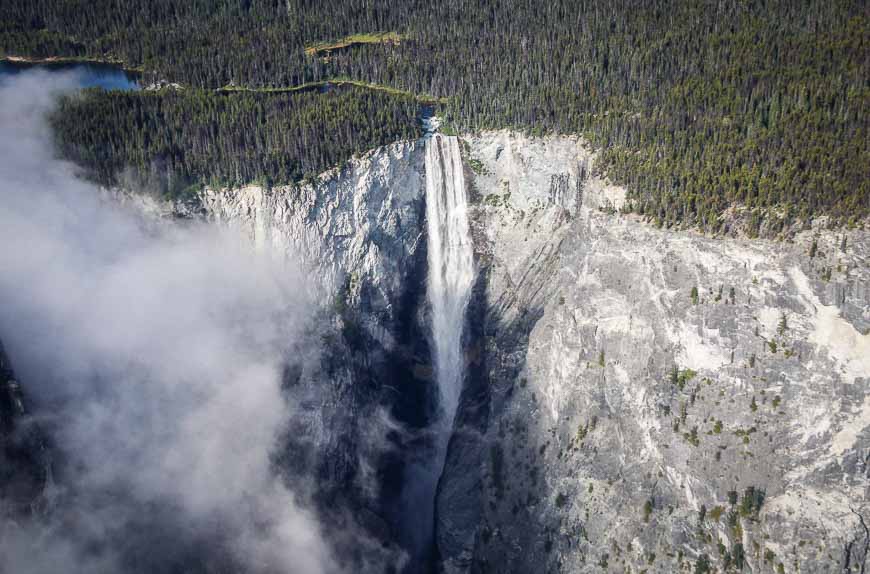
451,275
451,266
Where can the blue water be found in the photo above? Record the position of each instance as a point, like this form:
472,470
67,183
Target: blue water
103,76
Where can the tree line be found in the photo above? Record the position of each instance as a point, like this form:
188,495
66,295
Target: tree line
171,140
697,107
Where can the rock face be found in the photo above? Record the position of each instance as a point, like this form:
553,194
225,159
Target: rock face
360,231
359,225
653,400
359,394
636,399
24,464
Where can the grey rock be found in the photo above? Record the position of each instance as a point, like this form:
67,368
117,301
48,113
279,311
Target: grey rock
596,454
622,379
358,230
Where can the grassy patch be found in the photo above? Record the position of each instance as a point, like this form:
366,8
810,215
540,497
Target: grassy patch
337,82
477,166
60,60
353,40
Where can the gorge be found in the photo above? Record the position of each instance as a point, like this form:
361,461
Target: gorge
451,275
577,321
502,371
451,266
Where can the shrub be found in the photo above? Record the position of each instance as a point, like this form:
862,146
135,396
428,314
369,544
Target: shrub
750,504
702,565
692,436
647,509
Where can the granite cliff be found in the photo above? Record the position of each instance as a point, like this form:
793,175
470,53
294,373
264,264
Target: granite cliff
650,399
635,399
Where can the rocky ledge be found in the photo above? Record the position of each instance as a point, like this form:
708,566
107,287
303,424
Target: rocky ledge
638,399
651,400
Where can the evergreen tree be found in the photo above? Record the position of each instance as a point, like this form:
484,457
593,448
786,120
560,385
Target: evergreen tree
696,107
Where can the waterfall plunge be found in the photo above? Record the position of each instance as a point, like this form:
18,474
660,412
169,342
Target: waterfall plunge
451,275
451,267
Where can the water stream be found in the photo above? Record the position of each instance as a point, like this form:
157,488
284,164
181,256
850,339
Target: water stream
87,75
449,282
451,266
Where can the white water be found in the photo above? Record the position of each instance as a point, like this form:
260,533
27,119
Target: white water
451,266
451,275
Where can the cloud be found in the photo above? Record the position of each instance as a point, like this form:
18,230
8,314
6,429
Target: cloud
153,353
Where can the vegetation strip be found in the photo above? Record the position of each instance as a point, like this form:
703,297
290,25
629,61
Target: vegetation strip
750,116
354,39
61,60
423,98
167,141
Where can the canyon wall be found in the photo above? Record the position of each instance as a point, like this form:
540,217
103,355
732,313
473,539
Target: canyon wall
649,399
635,398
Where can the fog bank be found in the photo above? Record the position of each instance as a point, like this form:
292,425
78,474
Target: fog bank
152,356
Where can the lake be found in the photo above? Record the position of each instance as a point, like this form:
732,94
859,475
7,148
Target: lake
91,75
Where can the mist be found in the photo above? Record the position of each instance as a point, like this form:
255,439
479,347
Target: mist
152,355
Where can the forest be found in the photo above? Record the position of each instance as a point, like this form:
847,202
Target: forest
169,141
696,107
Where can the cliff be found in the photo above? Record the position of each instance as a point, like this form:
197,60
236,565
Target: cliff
649,399
359,230
635,398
